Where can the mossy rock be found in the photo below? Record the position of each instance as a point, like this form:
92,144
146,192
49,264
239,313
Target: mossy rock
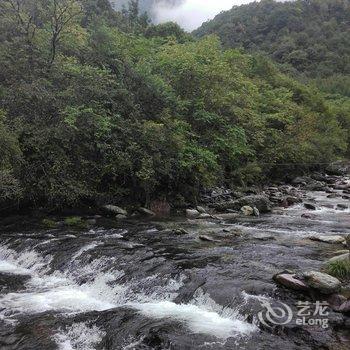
75,221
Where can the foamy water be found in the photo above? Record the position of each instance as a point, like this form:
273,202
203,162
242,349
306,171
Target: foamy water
60,292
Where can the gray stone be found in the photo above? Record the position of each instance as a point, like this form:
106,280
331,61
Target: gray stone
192,213
202,210
114,210
121,217
207,238
333,239
342,206
342,257
256,211
322,282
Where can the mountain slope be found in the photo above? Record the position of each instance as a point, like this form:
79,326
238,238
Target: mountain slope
311,37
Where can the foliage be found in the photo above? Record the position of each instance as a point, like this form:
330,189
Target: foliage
339,269
133,112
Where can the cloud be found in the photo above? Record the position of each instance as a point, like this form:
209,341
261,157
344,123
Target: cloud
192,13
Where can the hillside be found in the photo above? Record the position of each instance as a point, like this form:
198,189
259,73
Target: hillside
89,111
309,37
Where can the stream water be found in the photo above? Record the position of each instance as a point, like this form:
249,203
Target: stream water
140,286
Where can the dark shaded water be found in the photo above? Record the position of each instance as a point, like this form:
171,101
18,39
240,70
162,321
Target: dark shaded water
141,286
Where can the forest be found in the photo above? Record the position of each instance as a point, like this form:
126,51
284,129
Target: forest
99,105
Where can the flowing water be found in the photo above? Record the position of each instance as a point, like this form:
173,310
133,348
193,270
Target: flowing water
141,286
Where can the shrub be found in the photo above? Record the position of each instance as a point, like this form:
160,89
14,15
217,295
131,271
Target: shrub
339,269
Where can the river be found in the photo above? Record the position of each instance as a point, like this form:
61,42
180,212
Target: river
140,286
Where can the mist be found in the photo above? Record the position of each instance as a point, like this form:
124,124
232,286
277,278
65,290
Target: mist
192,13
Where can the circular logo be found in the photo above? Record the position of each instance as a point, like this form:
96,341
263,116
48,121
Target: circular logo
275,315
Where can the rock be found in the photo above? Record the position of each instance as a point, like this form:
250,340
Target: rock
322,282
114,210
335,301
206,238
261,202
146,212
256,211
347,240
333,195
180,231
192,213
301,180
91,221
202,210
290,281
247,210
345,307
335,239
308,216
291,200
205,216
121,217
342,257
310,206
342,206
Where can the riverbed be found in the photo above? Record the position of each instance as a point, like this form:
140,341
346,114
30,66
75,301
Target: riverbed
139,285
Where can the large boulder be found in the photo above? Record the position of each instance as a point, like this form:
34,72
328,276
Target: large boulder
261,202
339,258
322,282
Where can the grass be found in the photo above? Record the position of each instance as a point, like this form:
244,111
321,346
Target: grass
49,223
75,221
339,269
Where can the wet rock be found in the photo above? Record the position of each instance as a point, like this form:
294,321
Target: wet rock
207,238
347,240
310,206
180,231
333,195
204,216
192,213
121,217
291,200
261,202
335,301
247,210
342,206
322,282
11,283
345,307
290,281
256,211
342,257
201,210
146,212
308,216
301,180
113,210
335,239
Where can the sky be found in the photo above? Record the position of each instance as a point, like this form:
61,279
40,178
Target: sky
192,13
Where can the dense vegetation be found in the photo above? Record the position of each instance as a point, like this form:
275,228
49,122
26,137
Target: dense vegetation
96,104
308,38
